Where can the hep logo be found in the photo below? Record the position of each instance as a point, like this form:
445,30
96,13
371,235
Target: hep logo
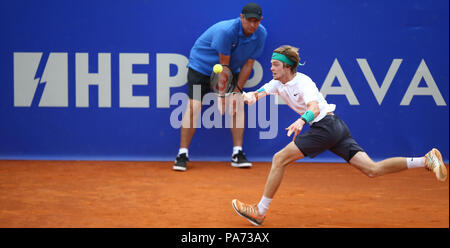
42,77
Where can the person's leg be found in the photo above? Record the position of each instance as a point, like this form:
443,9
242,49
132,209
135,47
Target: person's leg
237,116
256,213
320,137
366,165
432,161
280,161
198,87
352,152
189,122
187,130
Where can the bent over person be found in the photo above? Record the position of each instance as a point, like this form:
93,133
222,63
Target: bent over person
327,132
235,43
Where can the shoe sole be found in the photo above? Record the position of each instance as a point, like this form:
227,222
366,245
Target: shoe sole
179,168
241,165
441,172
237,211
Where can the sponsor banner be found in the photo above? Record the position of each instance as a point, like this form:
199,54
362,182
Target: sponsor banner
102,80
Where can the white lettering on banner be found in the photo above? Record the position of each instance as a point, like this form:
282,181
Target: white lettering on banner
263,122
165,81
212,118
257,75
84,79
379,92
177,114
163,78
53,83
415,90
25,83
54,78
127,79
345,88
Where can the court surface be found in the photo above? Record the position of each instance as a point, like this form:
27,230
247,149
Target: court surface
150,194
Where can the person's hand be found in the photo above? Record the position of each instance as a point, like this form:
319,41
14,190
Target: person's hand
295,128
249,97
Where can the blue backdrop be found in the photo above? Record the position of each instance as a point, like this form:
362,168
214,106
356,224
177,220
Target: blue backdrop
383,63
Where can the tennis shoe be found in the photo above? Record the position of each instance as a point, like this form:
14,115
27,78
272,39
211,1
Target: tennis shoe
181,162
433,162
239,160
250,212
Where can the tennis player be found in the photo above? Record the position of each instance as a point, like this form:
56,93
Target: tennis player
327,132
236,43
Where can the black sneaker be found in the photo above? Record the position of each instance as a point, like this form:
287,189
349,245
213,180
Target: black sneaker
239,160
180,162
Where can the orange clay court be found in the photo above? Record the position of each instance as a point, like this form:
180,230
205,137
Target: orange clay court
150,194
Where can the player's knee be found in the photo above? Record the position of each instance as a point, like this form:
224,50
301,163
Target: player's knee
278,160
365,165
193,111
371,171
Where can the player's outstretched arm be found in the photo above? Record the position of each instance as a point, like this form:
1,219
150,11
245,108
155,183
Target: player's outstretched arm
251,97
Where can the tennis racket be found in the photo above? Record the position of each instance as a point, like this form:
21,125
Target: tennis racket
224,83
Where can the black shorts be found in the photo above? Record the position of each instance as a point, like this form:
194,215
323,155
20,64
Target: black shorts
330,133
198,79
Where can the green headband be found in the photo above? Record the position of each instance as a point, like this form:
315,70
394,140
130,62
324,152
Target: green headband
283,58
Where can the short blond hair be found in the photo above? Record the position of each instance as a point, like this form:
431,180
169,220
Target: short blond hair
290,52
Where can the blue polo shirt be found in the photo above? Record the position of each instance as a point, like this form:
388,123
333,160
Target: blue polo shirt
227,38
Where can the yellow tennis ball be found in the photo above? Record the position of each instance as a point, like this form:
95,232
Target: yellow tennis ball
218,68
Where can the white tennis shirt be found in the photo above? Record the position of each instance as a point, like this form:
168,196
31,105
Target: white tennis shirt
298,92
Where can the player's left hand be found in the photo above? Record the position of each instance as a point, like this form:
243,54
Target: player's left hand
249,97
295,128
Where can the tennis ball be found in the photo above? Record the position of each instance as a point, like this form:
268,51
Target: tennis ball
218,68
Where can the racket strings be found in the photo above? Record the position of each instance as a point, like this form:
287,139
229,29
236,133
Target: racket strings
222,83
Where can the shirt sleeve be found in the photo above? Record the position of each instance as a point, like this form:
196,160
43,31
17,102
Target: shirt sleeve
221,42
271,87
310,91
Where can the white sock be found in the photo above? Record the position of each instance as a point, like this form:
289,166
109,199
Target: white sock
263,205
415,162
236,149
183,150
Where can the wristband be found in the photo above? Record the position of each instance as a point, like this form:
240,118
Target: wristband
308,116
260,90
304,119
